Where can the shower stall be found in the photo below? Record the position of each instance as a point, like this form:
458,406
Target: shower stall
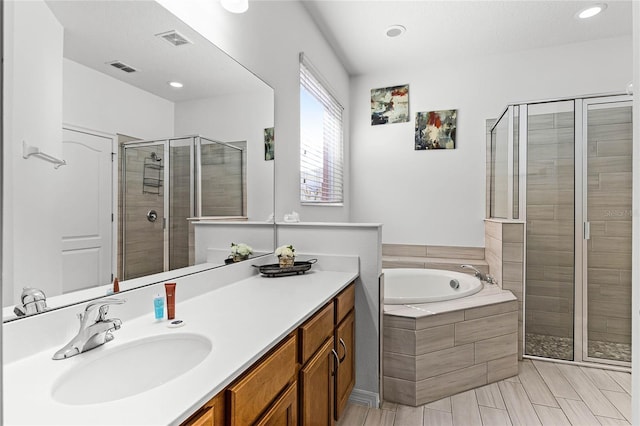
165,182
563,167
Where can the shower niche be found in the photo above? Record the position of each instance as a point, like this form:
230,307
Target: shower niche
563,167
164,183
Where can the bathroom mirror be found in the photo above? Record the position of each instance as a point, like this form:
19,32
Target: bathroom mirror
106,162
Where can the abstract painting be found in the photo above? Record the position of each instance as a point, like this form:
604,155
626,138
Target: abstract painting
436,129
269,153
390,105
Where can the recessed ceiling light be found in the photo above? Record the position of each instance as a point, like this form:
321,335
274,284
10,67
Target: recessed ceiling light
176,84
591,11
235,6
395,31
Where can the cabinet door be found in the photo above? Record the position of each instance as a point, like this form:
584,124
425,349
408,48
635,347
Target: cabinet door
256,390
345,342
205,418
210,414
317,387
284,411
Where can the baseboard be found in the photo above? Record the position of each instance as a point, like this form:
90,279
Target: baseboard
363,397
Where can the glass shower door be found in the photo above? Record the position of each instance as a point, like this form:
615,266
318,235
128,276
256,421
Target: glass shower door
180,201
607,239
550,252
143,209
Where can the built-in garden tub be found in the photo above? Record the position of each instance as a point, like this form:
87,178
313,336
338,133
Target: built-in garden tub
445,332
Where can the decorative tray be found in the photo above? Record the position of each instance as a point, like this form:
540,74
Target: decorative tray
274,269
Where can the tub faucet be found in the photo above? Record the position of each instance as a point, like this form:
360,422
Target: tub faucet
95,330
479,275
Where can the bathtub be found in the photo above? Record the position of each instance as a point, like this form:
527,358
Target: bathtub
434,346
414,286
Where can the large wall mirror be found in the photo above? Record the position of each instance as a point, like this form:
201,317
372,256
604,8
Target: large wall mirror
106,161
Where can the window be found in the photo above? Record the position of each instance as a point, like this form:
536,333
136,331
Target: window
321,164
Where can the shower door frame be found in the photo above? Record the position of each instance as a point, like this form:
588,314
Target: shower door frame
166,219
580,300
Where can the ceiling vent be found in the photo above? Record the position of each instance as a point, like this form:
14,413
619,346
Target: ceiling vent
122,66
175,38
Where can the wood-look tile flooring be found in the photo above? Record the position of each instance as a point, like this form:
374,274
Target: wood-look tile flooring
543,393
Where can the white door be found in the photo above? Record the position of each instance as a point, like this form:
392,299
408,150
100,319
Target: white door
87,209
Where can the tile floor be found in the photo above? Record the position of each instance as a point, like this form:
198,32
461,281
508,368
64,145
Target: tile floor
543,393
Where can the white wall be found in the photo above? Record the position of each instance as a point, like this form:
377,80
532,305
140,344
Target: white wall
267,40
218,118
96,101
363,240
33,113
438,197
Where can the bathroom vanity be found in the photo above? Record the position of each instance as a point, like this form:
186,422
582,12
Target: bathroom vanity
306,378
271,349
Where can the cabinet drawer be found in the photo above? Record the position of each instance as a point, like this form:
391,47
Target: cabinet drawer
315,331
258,388
345,302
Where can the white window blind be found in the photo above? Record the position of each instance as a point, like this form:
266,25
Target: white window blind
321,159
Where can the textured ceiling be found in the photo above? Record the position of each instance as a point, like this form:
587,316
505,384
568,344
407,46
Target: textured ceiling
449,29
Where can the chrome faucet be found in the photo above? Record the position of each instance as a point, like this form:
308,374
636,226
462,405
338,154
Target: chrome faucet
479,275
32,301
95,330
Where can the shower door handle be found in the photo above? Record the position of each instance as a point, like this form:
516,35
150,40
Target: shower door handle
152,215
587,230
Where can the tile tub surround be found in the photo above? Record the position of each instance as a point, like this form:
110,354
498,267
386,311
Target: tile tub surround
504,252
433,257
435,350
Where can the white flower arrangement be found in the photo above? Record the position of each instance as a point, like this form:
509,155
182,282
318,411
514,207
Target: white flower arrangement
285,251
241,249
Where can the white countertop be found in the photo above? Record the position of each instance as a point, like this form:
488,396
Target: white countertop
243,321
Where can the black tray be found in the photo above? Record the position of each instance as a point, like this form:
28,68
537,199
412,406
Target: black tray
274,269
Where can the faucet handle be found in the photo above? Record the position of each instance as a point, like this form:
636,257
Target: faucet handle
103,306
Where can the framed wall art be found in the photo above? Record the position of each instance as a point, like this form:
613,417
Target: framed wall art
390,105
436,129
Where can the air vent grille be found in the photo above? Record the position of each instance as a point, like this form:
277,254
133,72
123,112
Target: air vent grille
175,38
122,66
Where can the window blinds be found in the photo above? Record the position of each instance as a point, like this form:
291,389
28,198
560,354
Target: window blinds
321,159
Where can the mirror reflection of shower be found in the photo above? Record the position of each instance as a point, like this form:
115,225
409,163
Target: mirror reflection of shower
177,179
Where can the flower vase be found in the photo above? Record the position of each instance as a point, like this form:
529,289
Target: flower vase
239,257
286,261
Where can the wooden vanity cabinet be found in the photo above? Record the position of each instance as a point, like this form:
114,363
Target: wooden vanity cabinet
263,386
284,411
345,343
317,387
305,380
346,375
327,378
210,414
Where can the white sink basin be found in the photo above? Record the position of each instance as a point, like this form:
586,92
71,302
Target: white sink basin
131,368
